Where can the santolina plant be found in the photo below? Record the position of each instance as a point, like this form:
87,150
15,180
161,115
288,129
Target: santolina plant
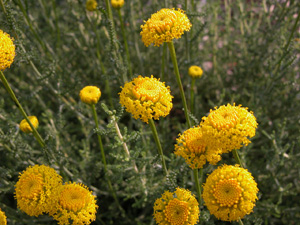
57,56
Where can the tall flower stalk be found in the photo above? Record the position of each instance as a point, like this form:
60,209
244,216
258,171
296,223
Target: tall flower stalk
91,95
125,42
147,98
164,26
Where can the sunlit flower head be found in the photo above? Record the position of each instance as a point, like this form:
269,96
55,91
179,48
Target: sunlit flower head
25,127
7,50
229,127
164,26
192,147
91,5
76,203
90,95
117,4
36,190
176,208
2,218
230,193
195,71
146,98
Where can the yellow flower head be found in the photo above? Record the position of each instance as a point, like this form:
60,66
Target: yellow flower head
37,189
76,203
117,4
7,50
176,208
192,147
146,98
195,71
228,127
164,26
230,192
2,218
25,127
90,95
91,5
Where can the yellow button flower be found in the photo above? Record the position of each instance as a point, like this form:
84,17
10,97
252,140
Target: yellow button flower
229,127
176,208
192,147
36,190
7,50
195,71
146,98
117,4
25,127
90,95
230,193
164,26
2,218
91,5
76,203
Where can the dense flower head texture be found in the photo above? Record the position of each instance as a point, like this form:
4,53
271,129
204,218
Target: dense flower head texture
2,218
91,5
230,193
36,190
192,147
90,95
176,208
75,203
195,71
25,127
7,50
229,127
164,26
117,4
146,98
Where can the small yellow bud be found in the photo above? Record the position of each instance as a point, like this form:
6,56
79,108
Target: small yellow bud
25,127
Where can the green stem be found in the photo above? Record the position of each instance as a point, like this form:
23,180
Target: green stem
187,47
288,43
198,185
159,148
237,158
163,57
176,70
104,159
125,43
240,222
192,103
14,98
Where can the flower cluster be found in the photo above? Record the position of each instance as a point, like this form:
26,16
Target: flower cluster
90,95
164,26
75,203
2,218
195,71
24,125
191,145
146,98
37,189
40,190
91,5
7,50
117,4
228,127
178,207
230,192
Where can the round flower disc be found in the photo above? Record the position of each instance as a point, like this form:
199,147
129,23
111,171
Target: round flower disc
229,127
164,26
7,51
230,193
146,98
